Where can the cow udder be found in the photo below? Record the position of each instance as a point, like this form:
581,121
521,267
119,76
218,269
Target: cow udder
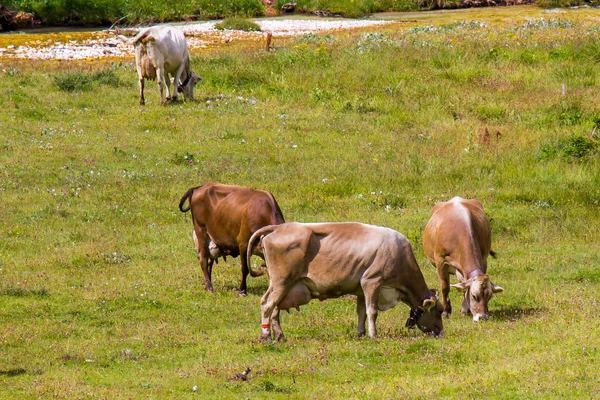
296,297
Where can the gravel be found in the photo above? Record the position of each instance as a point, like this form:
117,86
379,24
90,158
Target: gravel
111,44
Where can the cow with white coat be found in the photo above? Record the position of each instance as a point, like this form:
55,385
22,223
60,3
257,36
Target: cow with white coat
161,51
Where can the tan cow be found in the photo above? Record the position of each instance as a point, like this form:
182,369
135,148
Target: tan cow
328,260
457,240
224,218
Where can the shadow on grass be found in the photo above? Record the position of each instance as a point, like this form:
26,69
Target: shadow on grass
258,289
507,313
11,290
13,372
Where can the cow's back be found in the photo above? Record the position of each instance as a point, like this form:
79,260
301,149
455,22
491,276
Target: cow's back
336,256
169,45
229,212
457,226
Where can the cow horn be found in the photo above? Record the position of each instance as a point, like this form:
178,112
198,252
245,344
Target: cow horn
428,304
462,286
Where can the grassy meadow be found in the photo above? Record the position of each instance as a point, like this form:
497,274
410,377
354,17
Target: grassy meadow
101,293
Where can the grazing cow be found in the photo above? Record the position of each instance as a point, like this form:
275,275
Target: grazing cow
457,240
224,218
328,260
160,51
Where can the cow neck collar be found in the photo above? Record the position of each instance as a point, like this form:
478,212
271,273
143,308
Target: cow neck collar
187,80
415,314
474,273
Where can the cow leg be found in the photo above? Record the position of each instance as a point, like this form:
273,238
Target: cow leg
266,324
160,77
245,270
210,266
371,290
444,278
361,310
201,241
168,84
274,294
277,332
142,100
206,271
176,80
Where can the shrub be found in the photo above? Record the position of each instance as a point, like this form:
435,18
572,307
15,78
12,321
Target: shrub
559,3
107,77
238,24
81,81
73,81
573,147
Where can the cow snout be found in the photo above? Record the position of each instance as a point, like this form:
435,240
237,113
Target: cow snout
436,335
480,317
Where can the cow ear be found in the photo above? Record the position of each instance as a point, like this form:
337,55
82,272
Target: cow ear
497,289
462,286
428,304
434,293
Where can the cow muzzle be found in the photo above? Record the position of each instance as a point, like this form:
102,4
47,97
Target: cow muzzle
480,317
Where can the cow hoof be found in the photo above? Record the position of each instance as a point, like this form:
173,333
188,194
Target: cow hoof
446,314
210,289
280,338
142,102
242,293
265,338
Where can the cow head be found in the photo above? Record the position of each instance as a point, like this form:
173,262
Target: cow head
187,86
477,293
428,316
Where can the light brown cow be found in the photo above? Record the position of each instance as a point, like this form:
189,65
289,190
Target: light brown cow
224,217
328,260
457,240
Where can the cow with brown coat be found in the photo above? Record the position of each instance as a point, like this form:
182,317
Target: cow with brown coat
457,240
224,218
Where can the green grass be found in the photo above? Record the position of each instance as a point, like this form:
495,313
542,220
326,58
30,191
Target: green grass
100,290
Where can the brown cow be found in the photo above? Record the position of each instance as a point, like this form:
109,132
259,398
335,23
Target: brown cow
224,218
328,260
457,240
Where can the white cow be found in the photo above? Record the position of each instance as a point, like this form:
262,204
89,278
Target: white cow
160,51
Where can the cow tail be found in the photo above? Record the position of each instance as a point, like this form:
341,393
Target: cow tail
277,215
493,254
252,243
186,197
141,37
